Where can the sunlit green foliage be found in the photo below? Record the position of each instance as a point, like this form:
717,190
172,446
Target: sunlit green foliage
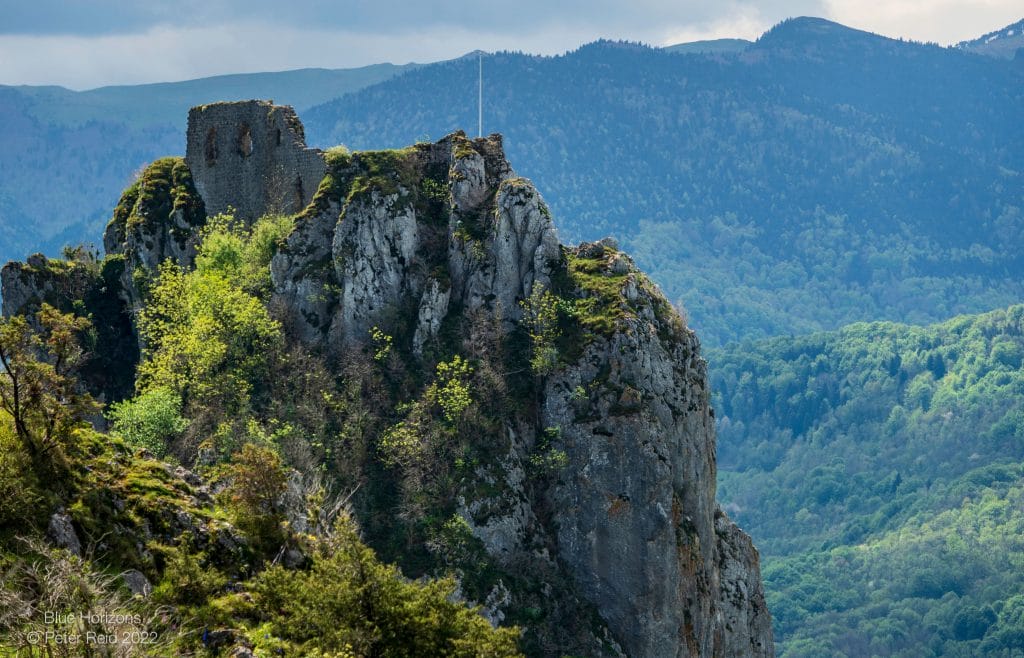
349,600
540,316
381,343
39,390
151,420
206,339
243,254
209,338
451,390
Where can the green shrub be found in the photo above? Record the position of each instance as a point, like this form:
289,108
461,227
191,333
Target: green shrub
20,499
257,482
151,420
350,601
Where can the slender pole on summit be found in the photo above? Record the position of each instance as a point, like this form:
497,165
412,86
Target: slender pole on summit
480,97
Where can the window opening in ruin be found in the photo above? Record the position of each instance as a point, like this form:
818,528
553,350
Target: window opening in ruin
211,147
245,141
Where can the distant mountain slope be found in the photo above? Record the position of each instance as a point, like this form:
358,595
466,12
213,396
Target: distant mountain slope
169,102
1002,43
824,176
709,46
66,155
879,470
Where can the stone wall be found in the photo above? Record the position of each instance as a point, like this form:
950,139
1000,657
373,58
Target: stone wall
252,156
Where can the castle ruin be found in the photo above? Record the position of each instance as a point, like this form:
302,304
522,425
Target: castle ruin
251,156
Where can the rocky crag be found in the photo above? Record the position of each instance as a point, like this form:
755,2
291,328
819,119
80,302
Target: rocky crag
595,506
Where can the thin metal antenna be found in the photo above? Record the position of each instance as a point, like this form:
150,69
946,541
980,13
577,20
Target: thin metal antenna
480,98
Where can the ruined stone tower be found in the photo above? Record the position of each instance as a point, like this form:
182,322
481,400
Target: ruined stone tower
252,156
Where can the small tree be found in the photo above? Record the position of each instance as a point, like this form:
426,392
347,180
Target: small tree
540,317
451,391
151,420
258,483
38,386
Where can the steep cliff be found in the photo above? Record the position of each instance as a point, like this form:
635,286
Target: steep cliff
633,513
534,418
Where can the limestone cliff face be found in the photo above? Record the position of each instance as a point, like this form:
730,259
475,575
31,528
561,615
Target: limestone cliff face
619,548
634,517
157,219
637,522
366,248
77,285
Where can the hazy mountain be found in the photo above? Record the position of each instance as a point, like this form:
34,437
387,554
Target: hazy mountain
1002,43
823,176
169,102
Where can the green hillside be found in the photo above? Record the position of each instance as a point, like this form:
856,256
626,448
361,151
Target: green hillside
879,470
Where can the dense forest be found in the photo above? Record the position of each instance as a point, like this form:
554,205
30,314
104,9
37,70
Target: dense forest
878,467
879,470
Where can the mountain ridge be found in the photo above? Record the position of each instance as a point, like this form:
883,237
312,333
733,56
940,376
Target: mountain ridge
1003,43
695,153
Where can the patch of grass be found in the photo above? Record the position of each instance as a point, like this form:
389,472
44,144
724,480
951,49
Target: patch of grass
601,306
388,171
462,146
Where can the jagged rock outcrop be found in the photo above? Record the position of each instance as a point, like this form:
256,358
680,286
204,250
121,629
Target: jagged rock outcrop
635,508
157,219
596,502
370,244
76,285
26,286
62,533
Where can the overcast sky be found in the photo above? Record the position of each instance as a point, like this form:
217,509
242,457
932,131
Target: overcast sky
82,44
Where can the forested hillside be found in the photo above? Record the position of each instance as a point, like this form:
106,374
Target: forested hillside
1004,43
821,177
878,468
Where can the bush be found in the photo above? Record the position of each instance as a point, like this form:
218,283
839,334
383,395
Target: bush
350,601
21,503
151,420
257,484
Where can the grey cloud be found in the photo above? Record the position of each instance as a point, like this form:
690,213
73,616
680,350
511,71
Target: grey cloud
75,17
